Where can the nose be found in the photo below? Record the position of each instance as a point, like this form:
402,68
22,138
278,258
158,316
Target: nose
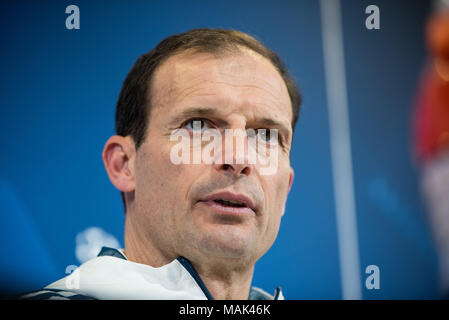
234,154
235,169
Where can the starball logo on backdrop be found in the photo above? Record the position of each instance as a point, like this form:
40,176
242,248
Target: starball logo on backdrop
202,145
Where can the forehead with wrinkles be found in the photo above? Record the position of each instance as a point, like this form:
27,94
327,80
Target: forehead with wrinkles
251,77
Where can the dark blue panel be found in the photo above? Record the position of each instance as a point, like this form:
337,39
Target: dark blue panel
59,88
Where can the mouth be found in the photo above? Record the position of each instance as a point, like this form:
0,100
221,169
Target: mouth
227,202
230,203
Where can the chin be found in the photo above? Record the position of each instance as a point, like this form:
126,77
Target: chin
228,243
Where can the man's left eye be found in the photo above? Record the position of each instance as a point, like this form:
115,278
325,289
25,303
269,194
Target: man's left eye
267,135
197,125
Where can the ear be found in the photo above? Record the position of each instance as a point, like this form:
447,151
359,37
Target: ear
118,158
290,181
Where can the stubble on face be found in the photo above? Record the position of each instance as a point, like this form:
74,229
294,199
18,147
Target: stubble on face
241,88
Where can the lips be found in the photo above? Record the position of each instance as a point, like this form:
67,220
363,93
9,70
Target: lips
230,202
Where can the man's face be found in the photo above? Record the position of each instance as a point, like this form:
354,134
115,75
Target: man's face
179,207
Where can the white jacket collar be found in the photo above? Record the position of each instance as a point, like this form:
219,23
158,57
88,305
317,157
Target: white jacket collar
111,276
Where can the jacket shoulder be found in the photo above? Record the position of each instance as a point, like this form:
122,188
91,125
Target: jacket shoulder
54,294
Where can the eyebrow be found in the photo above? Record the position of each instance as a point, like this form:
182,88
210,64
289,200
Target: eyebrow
203,112
274,124
194,112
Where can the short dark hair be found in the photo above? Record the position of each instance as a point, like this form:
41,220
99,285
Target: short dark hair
134,103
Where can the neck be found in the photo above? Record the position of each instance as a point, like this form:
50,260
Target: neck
225,283
226,279
141,249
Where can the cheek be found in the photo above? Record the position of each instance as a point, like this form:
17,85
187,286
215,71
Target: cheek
158,178
277,190
154,181
151,173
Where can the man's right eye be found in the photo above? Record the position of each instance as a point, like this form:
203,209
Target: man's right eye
196,125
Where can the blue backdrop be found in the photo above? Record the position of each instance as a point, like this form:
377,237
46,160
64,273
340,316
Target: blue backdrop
58,92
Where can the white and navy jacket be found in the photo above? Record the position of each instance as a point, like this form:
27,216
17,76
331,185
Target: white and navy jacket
110,276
